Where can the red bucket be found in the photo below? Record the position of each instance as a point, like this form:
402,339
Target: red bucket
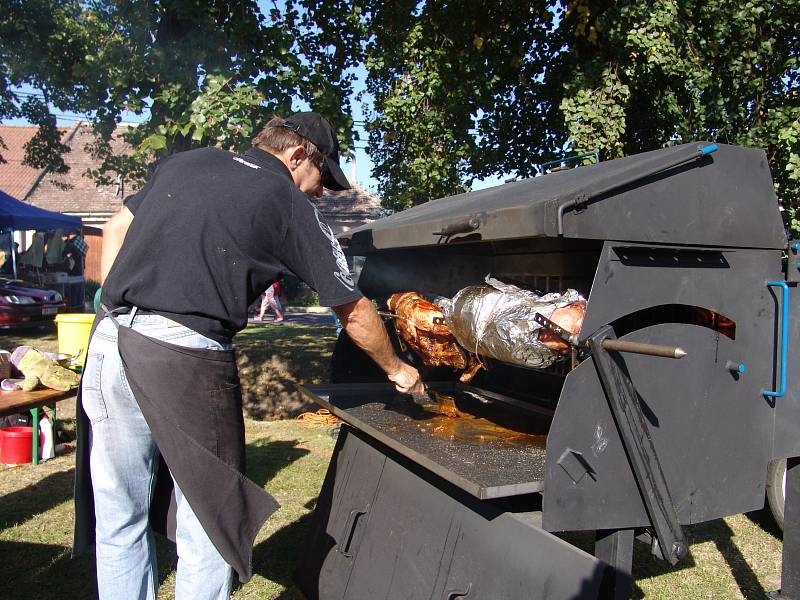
15,445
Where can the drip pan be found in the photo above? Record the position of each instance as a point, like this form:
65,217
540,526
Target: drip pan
489,445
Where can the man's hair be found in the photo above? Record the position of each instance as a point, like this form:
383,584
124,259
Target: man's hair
275,139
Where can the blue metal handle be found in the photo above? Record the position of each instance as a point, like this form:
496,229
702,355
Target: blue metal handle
707,149
784,314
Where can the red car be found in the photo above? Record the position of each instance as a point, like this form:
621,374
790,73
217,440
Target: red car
25,304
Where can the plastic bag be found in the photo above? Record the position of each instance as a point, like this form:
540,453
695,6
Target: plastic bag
496,320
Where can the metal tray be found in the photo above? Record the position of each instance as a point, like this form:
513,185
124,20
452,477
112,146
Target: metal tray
489,445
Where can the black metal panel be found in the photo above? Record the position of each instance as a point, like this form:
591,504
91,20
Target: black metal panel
723,199
494,450
787,408
615,548
790,572
711,430
547,264
426,539
410,529
510,546
632,277
342,511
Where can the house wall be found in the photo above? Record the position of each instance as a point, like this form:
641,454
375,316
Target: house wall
94,238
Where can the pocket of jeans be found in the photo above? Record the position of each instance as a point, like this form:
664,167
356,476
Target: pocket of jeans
91,389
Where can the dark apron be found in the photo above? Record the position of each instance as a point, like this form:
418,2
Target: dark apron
192,402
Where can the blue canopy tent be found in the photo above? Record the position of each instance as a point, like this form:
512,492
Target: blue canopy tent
20,216
16,215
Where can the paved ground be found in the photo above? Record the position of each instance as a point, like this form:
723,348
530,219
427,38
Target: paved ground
296,317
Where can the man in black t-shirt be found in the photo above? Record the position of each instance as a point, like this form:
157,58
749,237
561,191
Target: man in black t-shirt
184,259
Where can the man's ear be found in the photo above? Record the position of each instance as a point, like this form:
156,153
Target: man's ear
296,158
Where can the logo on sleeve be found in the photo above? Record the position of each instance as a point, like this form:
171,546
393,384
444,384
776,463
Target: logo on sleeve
343,274
239,159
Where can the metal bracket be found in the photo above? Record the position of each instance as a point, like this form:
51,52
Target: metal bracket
575,465
569,338
638,443
467,226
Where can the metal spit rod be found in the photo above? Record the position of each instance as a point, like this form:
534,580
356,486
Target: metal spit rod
641,348
611,344
608,344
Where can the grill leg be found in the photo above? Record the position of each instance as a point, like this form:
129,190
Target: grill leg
790,574
615,548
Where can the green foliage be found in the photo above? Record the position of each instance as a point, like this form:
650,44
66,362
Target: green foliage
457,90
462,92
203,73
715,70
432,68
595,117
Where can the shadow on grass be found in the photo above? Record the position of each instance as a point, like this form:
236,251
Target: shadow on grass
718,532
42,337
26,503
763,518
266,458
45,572
272,361
277,557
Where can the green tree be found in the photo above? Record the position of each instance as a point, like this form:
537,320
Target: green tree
203,73
432,70
462,91
646,75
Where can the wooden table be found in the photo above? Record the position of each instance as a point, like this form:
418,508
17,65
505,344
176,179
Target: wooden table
19,401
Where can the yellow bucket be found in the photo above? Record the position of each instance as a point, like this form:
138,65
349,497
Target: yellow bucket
73,334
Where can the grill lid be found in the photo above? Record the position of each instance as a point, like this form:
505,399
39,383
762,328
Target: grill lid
723,199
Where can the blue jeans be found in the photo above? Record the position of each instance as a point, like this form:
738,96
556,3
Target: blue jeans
124,460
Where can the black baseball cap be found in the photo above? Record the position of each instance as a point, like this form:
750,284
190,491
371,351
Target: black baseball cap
313,127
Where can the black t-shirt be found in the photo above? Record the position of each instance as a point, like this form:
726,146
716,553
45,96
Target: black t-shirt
211,231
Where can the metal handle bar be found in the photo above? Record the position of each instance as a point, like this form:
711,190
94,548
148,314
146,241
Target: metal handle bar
784,317
582,198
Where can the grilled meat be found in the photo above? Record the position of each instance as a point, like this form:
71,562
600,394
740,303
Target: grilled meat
421,325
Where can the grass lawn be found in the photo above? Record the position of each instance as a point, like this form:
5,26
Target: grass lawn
733,558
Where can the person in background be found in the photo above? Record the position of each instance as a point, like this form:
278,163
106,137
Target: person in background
272,300
159,413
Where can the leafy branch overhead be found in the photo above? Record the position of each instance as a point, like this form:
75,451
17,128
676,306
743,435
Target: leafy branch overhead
200,73
454,91
507,85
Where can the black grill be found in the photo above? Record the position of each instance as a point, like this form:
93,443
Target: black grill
676,248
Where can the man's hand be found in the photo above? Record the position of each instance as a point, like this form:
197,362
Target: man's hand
407,380
366,329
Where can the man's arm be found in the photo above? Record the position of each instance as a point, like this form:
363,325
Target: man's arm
365,327
114,232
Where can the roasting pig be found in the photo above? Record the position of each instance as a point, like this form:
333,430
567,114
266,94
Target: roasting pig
421,325
497,320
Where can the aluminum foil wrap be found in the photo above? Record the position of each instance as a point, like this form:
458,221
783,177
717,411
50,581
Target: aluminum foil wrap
496,320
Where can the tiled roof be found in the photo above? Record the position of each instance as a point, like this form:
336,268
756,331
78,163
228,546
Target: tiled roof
16,179
355,201
82,195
